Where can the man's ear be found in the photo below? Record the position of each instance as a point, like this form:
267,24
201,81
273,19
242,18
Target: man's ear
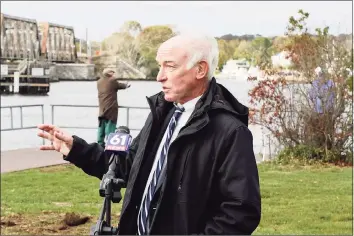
202,69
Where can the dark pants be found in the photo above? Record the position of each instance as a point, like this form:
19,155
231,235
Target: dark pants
105,127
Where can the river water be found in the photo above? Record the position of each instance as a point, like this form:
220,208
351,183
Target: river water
85,93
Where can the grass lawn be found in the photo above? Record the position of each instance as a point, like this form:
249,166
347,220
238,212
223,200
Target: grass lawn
295,200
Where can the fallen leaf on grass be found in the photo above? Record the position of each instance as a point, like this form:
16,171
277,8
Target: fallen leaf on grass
8,223
72,219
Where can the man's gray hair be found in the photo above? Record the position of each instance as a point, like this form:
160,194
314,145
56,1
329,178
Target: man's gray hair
201,47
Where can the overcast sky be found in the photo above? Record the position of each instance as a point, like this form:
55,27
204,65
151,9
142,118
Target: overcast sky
214,18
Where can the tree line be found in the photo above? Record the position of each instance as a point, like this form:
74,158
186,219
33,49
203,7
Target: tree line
138,45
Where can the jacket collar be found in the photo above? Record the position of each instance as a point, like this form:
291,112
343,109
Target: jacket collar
216,97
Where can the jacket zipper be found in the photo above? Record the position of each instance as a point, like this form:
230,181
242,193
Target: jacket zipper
182,175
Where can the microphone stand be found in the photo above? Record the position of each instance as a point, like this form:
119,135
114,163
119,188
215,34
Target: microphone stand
110,187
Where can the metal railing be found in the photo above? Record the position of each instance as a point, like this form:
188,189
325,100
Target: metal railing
92,106
21,116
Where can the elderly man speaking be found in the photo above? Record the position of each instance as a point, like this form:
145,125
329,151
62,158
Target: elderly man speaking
191,169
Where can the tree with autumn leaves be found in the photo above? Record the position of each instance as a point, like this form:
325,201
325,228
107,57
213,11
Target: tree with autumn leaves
138,45
312,118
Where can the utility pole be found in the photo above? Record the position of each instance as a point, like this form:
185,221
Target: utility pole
80,47
88,45
86,42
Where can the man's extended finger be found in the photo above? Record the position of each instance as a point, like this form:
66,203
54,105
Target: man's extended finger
45,135
46,127
62,137
47,147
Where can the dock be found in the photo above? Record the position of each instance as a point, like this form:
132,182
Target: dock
24,84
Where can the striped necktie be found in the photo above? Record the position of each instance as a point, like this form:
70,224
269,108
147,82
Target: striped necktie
145,206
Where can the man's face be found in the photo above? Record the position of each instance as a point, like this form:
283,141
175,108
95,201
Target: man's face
177,82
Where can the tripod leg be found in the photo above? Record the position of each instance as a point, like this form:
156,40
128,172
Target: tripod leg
97,229
108,212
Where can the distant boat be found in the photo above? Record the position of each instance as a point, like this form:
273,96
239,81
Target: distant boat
234,69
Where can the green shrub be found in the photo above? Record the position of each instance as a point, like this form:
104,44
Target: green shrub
307,155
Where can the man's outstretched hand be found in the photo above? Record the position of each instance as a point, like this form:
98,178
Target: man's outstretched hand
60,141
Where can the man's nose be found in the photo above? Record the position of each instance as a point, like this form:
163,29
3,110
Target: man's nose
161,76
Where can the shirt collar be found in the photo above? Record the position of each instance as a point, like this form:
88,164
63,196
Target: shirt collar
189,106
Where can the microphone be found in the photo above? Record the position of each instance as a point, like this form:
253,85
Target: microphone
118,141
117,147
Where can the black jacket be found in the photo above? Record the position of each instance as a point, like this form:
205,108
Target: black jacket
212,184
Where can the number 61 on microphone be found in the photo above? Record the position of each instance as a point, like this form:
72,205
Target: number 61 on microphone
118,142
